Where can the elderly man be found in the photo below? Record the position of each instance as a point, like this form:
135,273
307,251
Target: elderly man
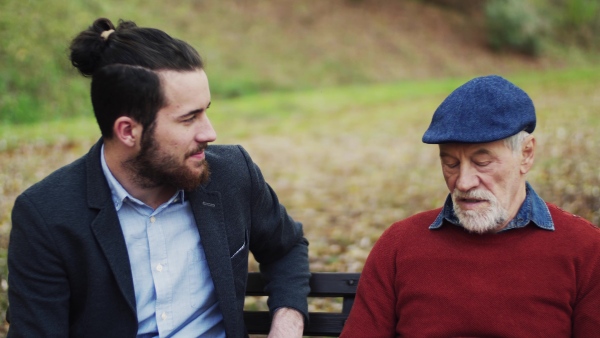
495,260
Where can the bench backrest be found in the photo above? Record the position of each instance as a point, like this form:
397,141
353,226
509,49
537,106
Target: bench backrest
322,284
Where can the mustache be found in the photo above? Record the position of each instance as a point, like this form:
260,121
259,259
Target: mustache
473,194
201,147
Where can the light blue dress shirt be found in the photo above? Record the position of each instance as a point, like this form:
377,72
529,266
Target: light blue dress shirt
174,292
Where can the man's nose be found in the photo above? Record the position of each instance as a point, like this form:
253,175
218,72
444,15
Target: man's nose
206,132
467,178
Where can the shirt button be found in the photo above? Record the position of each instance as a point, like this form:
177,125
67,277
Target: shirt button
152,219
159,267
163,316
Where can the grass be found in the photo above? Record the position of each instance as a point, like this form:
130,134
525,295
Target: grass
330,97
251,48
348,161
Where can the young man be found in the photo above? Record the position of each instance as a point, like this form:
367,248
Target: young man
495,260
148,234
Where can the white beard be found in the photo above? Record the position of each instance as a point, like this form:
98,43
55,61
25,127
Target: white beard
483,220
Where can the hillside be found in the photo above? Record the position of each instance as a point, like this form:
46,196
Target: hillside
252,46
347,88
287,44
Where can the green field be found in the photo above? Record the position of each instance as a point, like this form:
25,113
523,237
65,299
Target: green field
348,161
331,110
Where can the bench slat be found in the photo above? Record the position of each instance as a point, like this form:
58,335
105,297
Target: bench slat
321,323
322,284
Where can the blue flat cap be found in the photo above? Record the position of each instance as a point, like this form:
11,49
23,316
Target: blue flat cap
485,109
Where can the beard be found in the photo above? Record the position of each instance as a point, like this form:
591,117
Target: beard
153,168
482,220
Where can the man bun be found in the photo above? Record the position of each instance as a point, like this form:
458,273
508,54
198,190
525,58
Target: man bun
102,44
87,47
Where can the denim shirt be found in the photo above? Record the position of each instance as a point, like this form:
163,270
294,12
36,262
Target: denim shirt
533,209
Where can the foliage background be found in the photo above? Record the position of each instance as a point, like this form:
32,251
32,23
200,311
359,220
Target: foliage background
330,97
253,47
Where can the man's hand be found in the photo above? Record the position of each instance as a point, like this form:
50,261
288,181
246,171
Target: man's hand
287,323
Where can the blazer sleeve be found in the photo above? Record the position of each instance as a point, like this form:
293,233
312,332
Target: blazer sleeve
38,290
278,244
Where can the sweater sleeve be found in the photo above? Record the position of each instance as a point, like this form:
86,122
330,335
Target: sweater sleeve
374,311
586,312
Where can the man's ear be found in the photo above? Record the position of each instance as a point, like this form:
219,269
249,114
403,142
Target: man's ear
527,154
127,131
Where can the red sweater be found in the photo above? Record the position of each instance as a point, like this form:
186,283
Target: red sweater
526,282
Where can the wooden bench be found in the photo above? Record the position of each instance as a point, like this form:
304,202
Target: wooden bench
322,284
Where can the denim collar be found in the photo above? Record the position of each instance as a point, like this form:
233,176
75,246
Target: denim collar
533,209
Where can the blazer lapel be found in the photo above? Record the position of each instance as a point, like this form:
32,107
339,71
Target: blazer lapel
106,226
208,212
108,232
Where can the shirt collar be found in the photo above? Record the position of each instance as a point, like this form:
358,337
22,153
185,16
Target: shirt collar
533,209
119,194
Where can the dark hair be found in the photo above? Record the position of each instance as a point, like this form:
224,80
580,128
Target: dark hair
130,45
124,90
97,48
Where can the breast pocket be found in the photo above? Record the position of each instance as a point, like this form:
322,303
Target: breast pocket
239,265
199,279
241,252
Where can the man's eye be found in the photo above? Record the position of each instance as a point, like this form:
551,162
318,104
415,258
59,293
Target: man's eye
483,164
451,165
190,119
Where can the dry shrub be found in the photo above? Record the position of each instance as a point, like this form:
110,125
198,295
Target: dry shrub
570,177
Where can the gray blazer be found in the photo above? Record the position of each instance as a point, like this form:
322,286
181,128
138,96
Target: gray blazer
69,271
